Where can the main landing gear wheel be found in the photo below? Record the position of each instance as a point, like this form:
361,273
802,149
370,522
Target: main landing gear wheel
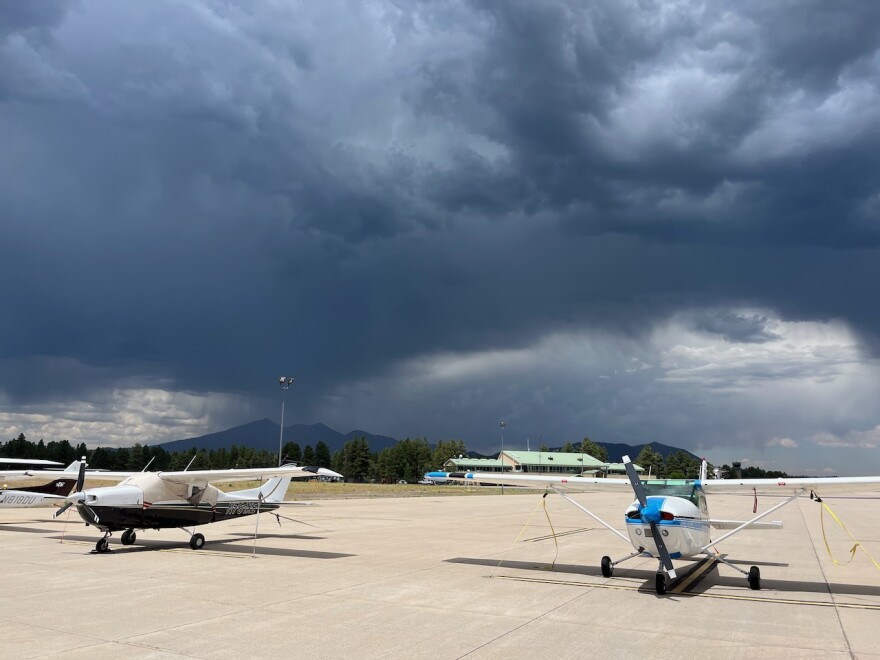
197,542
607,568
755,578
128,537
660,583
103,545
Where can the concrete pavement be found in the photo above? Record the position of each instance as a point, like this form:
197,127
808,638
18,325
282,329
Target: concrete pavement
434,577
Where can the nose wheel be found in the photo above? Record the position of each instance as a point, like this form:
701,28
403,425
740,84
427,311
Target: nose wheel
660,583
102,546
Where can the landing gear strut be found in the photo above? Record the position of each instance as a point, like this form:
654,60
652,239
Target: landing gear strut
753,575
197,542
128,537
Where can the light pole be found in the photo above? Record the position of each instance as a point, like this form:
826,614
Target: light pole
501,454
501,460
285,382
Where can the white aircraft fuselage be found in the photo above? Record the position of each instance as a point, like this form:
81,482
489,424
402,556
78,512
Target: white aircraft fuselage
683,522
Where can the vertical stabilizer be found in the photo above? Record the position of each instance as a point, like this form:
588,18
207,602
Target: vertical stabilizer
275,489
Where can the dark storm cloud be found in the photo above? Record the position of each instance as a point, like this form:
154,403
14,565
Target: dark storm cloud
557,79
735,327
202,193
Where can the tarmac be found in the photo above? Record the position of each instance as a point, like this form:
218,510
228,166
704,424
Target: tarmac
437,577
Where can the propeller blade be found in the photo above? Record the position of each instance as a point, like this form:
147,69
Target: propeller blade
650,516
90,510
635,482
64,507
662,551
81,477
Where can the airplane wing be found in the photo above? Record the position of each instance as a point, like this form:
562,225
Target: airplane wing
785,487
565,482
13,474
248,474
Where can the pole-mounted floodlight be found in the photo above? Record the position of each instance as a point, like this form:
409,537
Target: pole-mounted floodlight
503,426
285,382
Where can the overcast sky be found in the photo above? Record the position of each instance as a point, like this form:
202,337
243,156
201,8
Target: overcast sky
635,221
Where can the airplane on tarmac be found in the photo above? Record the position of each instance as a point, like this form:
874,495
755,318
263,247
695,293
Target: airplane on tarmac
670,517
60,486
160,500
24,468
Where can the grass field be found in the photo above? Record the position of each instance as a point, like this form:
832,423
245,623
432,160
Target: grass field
317,490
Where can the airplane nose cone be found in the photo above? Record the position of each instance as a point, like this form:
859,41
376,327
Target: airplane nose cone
651,513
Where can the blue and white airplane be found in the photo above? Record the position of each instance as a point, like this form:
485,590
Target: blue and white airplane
669,518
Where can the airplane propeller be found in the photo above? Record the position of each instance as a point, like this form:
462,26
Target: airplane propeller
650,513
77,496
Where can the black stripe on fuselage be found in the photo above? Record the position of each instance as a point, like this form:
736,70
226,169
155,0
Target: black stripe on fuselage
160,516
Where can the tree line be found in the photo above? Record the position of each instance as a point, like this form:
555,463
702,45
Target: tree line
408,460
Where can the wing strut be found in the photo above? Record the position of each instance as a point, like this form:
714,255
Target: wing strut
592,515
773,508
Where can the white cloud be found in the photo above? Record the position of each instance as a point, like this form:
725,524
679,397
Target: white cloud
862,439
123,417
782,442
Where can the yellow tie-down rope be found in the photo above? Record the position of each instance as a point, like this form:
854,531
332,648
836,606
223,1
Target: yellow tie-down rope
556,556
852,550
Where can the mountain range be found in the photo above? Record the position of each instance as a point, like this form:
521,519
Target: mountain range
264,434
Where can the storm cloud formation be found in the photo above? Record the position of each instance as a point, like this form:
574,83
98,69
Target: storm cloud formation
630,220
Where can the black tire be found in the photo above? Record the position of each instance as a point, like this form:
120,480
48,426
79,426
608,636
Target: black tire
660,584
607,568
197,542
128,537
755,578
103,545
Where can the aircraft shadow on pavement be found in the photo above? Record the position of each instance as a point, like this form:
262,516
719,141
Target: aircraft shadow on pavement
30,530
706,581
215,545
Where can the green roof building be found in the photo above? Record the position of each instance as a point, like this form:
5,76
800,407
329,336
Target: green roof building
536,462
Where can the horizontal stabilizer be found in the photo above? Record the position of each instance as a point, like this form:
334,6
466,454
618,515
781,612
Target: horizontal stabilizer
733,524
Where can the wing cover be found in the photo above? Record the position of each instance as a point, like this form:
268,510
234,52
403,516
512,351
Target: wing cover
197,477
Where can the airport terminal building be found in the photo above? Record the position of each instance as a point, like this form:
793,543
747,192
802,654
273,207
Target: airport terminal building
537,462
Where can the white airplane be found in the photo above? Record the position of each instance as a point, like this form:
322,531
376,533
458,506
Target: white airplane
58,487
670,518
159,500
22,469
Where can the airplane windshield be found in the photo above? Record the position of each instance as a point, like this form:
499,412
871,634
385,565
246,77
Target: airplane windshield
673,488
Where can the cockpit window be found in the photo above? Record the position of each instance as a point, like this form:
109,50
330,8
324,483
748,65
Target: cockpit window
675,488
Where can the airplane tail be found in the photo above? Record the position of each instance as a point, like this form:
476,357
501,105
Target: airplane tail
73,467
273,490
62,487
